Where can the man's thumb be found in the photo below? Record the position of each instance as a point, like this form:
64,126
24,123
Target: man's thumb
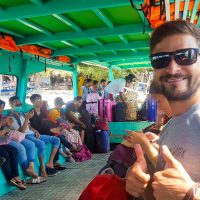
168,157
140,156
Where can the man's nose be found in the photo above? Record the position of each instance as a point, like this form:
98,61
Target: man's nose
173,67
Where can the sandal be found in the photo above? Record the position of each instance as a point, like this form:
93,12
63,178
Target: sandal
51,171
59,167
17,184
37,180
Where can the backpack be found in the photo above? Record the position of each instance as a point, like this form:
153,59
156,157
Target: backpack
82,155
120,160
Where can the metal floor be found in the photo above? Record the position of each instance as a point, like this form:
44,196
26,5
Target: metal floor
67,185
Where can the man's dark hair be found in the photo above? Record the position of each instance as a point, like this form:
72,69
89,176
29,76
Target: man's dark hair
95,82
173,28
34,97
154,89
78,98
13,98
88,80
103,80
2,102
130,77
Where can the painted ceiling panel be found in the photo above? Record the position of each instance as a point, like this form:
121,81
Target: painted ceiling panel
86,19
122,15
51,23
18,27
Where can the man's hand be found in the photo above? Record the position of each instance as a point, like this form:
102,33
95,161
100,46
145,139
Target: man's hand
136,177
83,125
151,136
173,182
29,115
136,137
37,134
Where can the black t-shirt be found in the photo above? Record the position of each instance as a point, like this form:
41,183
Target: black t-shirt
41,123
70,108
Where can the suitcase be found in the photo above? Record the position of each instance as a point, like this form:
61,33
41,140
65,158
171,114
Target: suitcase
119,112
92,103
151,109
102,141
106,109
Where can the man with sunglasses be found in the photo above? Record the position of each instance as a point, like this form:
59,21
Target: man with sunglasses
175,59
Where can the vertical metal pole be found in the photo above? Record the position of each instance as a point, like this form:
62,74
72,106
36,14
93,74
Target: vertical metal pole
22,82
111,76
75,81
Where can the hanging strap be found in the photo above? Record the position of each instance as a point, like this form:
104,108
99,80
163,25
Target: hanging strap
17,119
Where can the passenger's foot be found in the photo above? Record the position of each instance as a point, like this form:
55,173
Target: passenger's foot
65,155
59,167
36,180
43,172
76,149
17,183
71,159
51,171
30,172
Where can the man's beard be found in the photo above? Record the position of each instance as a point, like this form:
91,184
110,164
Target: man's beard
173,94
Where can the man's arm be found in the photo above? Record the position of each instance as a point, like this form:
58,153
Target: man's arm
138,137
75,120
4,121
26,121
121,96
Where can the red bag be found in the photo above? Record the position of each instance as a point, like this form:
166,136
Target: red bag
105,187
102,124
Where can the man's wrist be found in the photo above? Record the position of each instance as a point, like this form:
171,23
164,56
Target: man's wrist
196,191
193,193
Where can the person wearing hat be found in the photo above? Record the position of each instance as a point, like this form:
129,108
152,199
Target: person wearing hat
118,86
55,114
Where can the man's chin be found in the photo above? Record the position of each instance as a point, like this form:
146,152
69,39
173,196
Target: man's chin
177,96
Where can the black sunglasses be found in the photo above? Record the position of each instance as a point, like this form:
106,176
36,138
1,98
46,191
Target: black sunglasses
181,56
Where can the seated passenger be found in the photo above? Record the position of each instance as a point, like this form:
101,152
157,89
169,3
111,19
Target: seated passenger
66,127
9,165
44,126
25,148
72,114
21,123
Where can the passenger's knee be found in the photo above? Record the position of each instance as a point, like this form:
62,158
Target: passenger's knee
40,145
56,142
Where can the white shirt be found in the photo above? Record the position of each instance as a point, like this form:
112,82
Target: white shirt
16,126
116,86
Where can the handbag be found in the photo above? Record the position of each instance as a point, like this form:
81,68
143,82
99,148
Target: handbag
16,135
82,155
105,187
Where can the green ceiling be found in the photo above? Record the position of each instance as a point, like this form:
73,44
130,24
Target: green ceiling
107,31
